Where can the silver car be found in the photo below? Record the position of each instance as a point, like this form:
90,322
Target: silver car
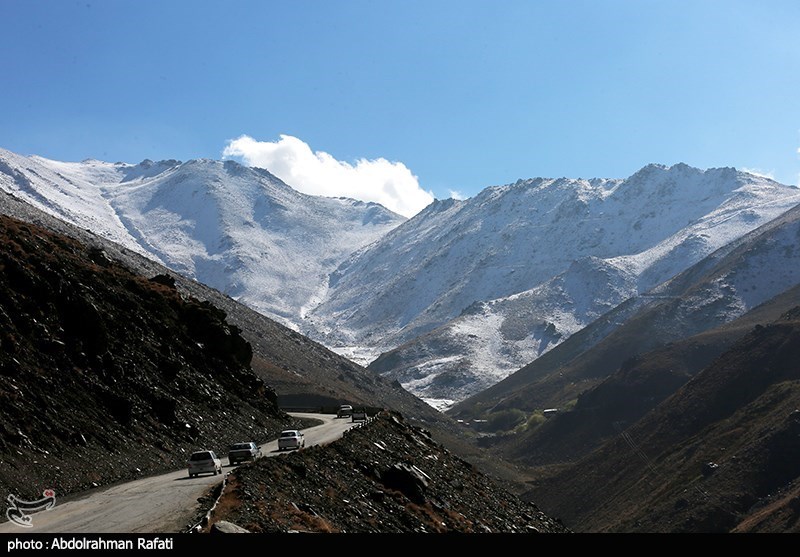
204,462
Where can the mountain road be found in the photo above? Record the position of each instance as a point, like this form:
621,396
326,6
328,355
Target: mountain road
166,503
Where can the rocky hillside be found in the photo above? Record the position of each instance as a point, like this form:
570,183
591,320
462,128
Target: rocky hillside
386,476
108,375
302,372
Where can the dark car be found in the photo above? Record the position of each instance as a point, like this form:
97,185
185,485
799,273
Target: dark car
358,415
240,452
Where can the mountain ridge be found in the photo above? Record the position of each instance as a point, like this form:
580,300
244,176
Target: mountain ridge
555,304
525,258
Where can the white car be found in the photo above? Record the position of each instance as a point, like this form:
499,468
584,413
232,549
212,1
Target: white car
204,462
291,439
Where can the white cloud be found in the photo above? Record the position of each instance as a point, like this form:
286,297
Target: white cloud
454,194
317,173
758,172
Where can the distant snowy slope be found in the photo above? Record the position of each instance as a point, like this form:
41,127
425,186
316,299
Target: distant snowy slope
490,340
70,191
246,233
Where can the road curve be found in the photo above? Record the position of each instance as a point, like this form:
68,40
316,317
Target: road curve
166,503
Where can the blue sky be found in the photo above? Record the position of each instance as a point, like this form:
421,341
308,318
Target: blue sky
425,97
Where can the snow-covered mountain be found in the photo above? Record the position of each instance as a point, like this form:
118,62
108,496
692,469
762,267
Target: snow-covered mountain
448,302
757,275
470,291
240,230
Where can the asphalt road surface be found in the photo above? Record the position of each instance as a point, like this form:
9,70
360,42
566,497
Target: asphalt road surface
157,504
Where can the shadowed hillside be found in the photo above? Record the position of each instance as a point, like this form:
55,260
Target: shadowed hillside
722,454
108,375
640,383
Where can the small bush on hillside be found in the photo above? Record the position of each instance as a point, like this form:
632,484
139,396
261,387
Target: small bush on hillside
505,420
535,420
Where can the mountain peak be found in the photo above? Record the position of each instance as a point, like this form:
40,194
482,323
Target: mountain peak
654,169
148,163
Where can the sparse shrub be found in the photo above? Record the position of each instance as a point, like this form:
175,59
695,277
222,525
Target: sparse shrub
535,420
505,420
